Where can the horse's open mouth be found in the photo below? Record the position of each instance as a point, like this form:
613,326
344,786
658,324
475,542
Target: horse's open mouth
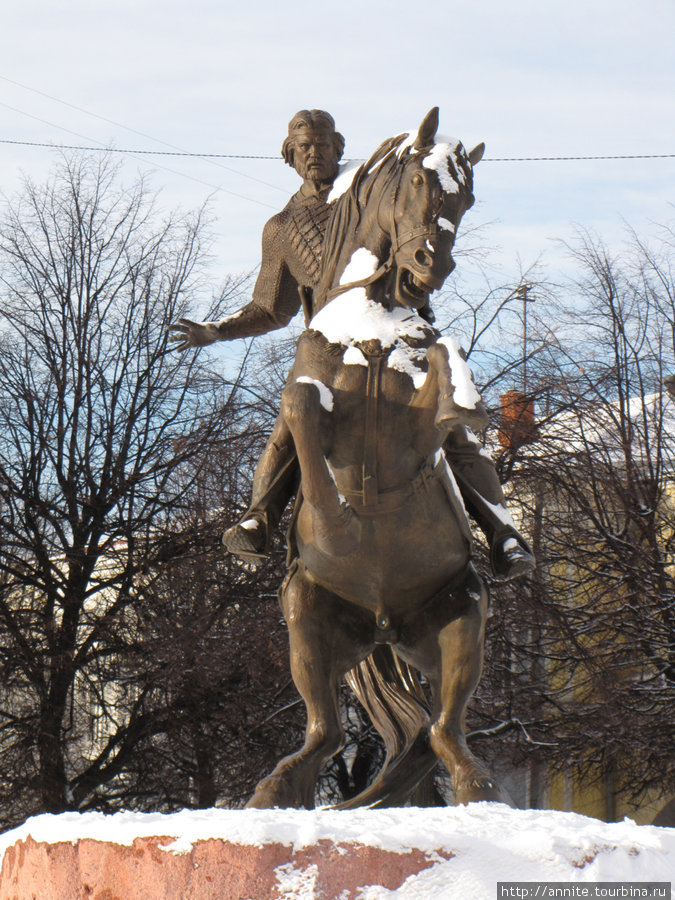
411,290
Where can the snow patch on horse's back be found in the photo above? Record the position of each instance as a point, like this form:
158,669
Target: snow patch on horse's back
362,265
351,317
410,362
354,357
325,393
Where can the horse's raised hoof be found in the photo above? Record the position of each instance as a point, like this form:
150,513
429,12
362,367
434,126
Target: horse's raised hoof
450,414
247,539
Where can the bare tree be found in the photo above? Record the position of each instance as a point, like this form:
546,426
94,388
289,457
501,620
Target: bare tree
101,433
580,674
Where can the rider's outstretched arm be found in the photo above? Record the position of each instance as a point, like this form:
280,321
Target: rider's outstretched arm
250,321
275,301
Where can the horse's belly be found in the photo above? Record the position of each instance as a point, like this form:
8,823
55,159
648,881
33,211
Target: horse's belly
403,558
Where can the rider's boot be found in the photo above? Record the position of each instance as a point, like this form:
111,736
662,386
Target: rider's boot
249,537
274,483
510,556
474,470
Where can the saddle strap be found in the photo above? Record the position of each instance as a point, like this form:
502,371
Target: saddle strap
369,473
387,502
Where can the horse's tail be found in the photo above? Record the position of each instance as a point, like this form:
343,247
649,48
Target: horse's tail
390,692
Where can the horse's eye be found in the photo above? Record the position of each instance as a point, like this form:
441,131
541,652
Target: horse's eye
417,179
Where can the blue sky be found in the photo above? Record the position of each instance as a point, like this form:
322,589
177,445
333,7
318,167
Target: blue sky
581,77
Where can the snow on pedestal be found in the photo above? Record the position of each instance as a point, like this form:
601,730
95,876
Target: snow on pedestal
457,852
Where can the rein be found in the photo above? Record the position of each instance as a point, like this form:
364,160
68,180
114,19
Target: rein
385,267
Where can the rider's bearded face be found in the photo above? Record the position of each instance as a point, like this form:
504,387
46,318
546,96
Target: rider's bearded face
314,156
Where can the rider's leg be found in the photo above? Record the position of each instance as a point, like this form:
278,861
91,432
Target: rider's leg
274,483
482,493
447,645
458,410
327,638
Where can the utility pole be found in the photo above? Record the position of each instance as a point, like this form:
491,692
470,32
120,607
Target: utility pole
523,291
535,779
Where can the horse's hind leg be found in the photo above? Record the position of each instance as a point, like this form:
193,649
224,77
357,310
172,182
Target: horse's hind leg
326,640
447,644
461,660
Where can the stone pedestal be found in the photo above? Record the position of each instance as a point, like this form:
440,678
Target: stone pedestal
211,870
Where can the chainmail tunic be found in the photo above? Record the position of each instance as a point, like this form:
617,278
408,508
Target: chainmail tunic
303,226
291,258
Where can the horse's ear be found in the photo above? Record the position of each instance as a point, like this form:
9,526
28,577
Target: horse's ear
476,154
427,130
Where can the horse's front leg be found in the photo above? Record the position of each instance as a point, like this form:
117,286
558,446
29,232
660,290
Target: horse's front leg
337,530
327,638
458,401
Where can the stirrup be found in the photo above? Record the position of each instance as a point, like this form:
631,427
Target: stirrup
248,543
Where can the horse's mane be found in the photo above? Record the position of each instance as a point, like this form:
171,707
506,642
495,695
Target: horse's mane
376,172
371,178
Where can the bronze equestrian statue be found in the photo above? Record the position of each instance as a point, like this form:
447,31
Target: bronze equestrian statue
289,271
381,586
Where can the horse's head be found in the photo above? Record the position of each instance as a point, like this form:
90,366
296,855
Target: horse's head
430,194
404,205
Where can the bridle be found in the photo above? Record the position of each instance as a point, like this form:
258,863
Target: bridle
397,240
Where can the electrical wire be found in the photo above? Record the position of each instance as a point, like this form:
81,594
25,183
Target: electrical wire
563,158
198,155
101,148
143,152
178,150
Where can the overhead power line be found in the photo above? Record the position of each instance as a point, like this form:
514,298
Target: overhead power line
213,158
200,155
140,152
563,158
101,148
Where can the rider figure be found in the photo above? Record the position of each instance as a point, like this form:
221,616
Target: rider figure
291,261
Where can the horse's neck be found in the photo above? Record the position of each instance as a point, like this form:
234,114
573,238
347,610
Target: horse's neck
361,238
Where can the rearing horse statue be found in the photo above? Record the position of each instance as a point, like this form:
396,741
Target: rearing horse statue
382,585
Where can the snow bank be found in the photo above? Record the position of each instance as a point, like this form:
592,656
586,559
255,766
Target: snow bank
488,842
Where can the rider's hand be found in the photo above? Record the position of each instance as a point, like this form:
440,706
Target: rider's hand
193,334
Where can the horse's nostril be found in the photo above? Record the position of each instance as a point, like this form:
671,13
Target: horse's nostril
422,258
